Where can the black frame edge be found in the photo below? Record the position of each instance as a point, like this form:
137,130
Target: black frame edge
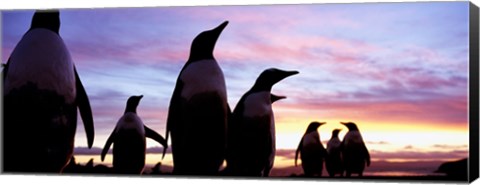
473,93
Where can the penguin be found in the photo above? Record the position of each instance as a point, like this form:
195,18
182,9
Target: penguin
354,152
333,162
198,110
273,98
312,152
42,92
128,138
251,135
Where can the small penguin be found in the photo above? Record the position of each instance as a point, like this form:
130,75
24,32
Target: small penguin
128,140
42,91
333,162
311,151
251,135
198,111
354,152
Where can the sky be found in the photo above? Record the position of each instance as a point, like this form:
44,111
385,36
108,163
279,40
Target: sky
398,70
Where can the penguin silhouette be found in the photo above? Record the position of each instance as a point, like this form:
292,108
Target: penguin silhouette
128,138
198,111
227,170
333,162
354,152
251,129
42,91
312,152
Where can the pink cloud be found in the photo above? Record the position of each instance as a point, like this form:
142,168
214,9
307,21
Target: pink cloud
446,111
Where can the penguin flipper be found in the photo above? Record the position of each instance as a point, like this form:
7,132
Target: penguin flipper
366,154
155,136
107,145
85,110
173,111
298,151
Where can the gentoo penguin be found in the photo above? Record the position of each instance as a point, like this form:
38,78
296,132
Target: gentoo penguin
355,153
128,140
333,162
251,136
197,116
311,151
42,92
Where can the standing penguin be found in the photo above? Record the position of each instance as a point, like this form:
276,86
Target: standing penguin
42,92
311,151
197,117
128,140
333,162
355,153
251,136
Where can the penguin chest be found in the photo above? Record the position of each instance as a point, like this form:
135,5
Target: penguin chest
130,134
333,146
258,105
258,124
130,121
311,142
42,58
201,77
258,110
129,144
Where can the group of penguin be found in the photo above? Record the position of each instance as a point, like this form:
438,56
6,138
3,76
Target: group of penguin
349,156
42,92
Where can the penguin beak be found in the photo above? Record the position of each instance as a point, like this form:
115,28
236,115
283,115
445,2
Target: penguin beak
323,123
218,30
290,73
275,98
140,97
284,74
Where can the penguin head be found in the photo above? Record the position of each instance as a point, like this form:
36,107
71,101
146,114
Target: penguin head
335,132
350,125
132,103
275,98
48,19
270,77
203,45
313,126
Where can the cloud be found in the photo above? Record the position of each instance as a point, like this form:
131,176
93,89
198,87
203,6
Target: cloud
287,153
411,154
451,147
377,143
87,151
418,155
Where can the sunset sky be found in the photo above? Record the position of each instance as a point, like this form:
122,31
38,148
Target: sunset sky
398,70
